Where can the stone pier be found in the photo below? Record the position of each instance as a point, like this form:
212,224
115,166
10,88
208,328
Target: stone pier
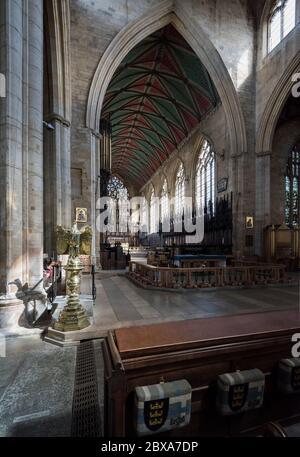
21,152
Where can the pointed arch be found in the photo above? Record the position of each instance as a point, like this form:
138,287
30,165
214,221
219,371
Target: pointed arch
136,31
274,107
163,181
154,211
179,194
164,201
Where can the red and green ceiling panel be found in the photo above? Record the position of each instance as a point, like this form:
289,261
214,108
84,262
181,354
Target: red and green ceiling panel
159,93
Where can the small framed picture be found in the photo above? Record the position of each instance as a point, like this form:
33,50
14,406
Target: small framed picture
222,185
81,215
249,222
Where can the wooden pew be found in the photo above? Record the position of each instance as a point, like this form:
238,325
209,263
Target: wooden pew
199,350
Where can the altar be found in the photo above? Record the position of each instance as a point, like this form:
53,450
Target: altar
194,261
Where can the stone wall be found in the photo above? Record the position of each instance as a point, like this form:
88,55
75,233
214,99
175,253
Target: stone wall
273,87
272,66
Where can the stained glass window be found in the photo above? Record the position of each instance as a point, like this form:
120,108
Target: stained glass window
144,220
292,188
118,191
179,192
282,21
205,180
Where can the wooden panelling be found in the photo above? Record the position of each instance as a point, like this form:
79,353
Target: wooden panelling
132,359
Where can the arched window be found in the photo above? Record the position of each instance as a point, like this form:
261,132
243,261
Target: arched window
292,188
164,202
144,215
281,21
205,182
118,191
179,192
153,213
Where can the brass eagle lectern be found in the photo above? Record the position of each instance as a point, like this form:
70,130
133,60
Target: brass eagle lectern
73,242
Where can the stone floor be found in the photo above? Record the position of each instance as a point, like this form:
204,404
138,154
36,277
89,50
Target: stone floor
36,388
37,378
121,303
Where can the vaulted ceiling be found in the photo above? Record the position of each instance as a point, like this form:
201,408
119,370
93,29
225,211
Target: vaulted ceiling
159,93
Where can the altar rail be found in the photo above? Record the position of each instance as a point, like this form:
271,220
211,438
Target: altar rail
189,278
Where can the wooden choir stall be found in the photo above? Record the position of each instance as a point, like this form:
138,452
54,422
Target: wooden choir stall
282,245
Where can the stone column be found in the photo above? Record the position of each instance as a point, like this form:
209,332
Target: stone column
57,179
263,198
238,194
11,143
95,195
10,160
21,153
35,141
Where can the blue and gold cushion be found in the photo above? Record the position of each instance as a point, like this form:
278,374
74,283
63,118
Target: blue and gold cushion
288,379
162,407
240,391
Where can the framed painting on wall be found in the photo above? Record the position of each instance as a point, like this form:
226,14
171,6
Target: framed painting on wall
81,215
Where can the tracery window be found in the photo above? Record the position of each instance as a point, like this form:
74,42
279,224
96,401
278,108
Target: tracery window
118,191
144,215
153,213
205,181
164,202
281,21
179,192
292,188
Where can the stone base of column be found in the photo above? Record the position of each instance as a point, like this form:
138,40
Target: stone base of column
11,310
12,319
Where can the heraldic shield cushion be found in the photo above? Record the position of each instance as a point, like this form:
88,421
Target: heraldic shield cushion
289,376
240,391
162,407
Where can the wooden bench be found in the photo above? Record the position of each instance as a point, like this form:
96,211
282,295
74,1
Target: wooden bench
199,350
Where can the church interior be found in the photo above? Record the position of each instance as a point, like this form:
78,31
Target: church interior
149,211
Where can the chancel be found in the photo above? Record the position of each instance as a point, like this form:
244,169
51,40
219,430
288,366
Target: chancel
149,209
